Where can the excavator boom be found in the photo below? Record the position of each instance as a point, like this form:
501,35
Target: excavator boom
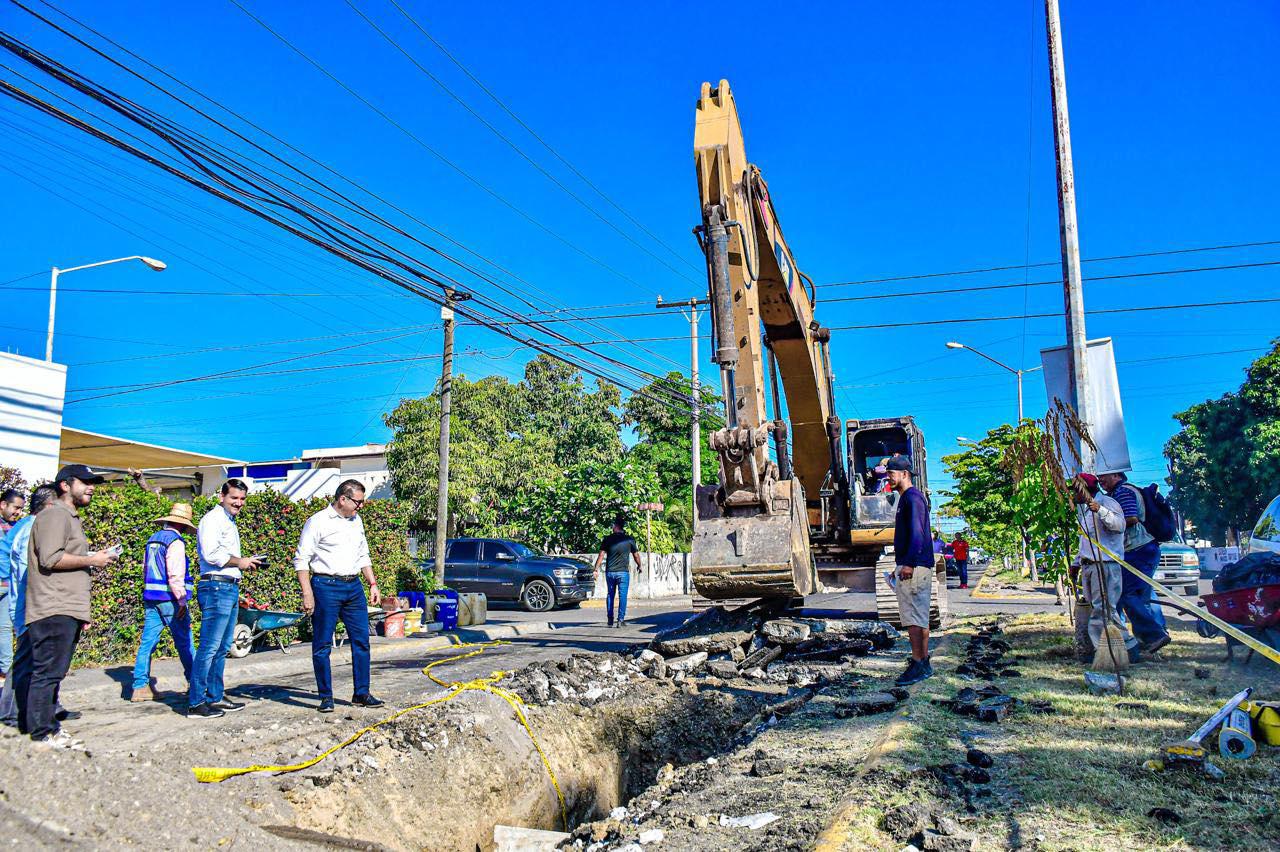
752,534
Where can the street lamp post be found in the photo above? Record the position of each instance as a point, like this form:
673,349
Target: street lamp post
953,345
157,265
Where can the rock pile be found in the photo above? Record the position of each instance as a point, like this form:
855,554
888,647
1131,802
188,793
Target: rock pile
924,827
985,656
585,679
754,642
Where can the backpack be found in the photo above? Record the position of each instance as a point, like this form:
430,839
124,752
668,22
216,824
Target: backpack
1159,514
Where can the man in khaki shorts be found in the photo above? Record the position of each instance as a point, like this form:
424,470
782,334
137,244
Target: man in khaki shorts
913,572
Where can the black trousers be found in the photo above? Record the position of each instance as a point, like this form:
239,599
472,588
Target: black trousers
52,641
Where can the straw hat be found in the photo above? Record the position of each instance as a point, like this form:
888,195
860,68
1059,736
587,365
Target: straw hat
180,514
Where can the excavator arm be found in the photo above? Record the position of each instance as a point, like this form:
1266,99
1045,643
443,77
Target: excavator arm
753,530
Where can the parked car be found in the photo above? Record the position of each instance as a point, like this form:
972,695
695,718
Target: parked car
1179,566
512,571
1266,533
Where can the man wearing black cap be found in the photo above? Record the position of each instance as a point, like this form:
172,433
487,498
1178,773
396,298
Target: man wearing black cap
913,572
59,575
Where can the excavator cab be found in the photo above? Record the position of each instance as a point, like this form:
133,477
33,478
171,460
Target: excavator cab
870,444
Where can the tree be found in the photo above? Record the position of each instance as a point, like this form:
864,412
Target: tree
489,458
581,424
664,429
1005,489
1226,458
11,477
574,511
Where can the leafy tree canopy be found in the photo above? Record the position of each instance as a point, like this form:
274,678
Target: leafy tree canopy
1226,458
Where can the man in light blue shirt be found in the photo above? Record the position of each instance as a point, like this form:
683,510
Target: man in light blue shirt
13,565
218,547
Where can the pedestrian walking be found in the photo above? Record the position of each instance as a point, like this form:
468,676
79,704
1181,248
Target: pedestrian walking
332,555
960,553
58,582
1101,518
166,591
913,572
1142,551
218,550
12,502
615,549
13,564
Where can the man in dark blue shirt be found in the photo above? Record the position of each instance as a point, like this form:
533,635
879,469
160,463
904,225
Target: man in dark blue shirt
914,561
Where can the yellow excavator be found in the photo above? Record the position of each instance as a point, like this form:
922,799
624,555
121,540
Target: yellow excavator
786,524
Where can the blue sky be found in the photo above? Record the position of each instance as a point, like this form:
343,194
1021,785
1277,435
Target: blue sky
896,140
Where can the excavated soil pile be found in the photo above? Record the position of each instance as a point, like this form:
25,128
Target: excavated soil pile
608,724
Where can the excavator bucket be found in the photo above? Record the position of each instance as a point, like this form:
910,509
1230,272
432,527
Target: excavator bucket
755,556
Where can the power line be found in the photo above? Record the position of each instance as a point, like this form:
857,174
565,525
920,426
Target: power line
1056,281
1140,309
1015,266
507,140
26,277
543,142
433,151
329,192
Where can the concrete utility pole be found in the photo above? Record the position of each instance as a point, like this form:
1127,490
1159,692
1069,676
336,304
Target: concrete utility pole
1073,290
446,394
696,430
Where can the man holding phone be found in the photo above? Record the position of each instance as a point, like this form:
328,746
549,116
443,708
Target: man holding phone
218,548
59,577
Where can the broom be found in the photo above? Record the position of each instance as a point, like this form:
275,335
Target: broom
1111,654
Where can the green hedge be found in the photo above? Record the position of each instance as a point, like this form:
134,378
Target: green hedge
269,523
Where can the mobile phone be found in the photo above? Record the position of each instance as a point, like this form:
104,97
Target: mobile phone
116,549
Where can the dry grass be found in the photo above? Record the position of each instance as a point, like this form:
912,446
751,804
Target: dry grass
1074,780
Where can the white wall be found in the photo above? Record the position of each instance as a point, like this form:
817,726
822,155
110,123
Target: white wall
662,575
31,398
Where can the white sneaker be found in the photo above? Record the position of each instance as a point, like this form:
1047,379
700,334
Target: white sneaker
61,740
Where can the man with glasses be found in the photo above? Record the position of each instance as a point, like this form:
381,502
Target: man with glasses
332,555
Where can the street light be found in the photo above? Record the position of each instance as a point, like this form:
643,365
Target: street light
953,345
157,265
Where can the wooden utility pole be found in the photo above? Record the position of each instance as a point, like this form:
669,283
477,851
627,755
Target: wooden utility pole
696,398
1073,290
446,394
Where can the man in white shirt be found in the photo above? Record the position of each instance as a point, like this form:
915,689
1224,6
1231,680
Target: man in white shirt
218,548
1100,517
332,555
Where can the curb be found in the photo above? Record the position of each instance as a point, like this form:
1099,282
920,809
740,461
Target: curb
977,592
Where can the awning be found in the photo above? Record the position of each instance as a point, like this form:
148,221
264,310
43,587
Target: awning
107,451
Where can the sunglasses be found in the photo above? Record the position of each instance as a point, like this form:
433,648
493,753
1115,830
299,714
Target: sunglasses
358,503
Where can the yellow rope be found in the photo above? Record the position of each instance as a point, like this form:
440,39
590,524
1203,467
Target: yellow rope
211,774
1190,608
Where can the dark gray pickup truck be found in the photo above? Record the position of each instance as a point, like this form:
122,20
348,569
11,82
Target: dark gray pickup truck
509,570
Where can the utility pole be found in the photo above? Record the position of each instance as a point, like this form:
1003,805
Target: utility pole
446,394
696,400
1073,290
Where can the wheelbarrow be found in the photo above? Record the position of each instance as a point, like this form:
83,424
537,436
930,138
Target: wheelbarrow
253,624
1255,610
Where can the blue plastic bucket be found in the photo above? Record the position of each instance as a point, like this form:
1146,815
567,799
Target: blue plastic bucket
447,608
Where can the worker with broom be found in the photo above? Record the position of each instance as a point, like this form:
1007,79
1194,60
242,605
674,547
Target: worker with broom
1101,520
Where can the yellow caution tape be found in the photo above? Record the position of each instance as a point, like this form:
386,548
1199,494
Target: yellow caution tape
212,774
1190,608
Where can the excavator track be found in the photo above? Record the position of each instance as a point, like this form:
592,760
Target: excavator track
887,599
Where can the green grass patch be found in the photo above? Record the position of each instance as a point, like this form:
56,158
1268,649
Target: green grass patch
1074,779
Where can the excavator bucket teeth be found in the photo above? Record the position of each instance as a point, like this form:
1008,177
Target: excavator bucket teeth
764,555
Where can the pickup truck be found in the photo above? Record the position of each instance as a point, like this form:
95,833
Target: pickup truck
509,570
1179,566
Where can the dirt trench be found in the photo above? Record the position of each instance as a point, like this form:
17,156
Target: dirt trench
443,781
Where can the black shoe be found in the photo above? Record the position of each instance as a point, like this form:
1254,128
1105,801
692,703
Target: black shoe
611,624
228,706
928,667
622,622
204,711
1135,655
67,715
1152,647
367,700
326,705
914,674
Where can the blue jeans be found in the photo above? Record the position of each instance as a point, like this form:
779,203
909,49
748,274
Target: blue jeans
1136,597
6,633
219,611
157,616
962,565
618,583
339,599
